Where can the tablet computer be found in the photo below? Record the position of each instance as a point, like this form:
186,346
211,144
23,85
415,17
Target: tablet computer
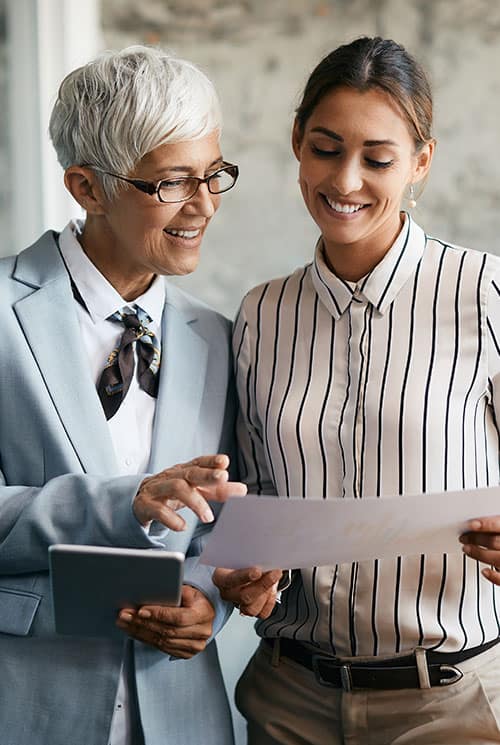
90,584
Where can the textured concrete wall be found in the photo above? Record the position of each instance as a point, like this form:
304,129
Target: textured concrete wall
260,52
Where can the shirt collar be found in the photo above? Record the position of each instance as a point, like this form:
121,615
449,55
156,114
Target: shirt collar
100,297
381,286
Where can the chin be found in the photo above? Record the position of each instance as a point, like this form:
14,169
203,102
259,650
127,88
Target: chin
178,271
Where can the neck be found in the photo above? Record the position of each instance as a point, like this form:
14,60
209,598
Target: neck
101,247
352,261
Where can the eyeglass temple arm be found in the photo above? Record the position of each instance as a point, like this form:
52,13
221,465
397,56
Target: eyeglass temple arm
145,186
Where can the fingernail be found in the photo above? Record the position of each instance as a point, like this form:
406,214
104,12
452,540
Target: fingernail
466,548
127,617
145,613
207,516
218,474
254,574
475,524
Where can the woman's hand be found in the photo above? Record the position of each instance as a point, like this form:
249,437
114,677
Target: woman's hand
251,590
482,542
179,631
185,485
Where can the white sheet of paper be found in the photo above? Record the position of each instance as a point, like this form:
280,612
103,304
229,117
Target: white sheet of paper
298,533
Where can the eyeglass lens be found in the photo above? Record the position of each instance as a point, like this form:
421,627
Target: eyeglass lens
183,188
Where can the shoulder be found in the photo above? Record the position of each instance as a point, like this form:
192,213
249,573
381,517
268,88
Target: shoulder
195,309
32,267
476,274
484,261
7,265
267,295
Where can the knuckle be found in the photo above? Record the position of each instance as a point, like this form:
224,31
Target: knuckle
177,483
189,474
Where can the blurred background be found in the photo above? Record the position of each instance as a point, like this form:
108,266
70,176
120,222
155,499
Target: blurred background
259,53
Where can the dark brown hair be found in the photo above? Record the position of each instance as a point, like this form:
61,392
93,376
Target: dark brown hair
368,63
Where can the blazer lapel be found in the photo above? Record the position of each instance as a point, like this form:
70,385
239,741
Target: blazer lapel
50,324
182,382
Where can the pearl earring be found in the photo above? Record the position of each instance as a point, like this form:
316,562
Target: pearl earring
412,202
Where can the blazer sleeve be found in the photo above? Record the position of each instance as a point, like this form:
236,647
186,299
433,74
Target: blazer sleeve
200,575
71,508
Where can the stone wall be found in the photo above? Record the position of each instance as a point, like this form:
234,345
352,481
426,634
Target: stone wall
260,52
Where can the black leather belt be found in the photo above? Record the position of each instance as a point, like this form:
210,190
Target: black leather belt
389,673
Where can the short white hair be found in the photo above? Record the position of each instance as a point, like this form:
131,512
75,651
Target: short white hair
122,105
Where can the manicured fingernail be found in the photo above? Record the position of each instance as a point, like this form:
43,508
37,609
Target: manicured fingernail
145,613
475,524
127,617
207,516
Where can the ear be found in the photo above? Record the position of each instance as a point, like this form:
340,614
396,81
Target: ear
424,160
84,186
297,137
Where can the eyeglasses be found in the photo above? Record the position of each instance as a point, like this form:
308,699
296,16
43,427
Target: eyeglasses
184,187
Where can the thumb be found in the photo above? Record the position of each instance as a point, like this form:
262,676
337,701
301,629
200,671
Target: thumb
189,596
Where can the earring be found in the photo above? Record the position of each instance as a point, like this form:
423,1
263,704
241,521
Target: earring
412,202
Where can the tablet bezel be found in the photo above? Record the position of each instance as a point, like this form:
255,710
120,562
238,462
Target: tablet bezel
90,584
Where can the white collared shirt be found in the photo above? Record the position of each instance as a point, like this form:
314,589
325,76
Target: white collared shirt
131,428
382,387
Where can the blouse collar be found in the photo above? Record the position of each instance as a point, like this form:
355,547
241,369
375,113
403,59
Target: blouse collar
381,286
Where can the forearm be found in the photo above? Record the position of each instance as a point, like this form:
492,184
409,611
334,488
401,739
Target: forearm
73,508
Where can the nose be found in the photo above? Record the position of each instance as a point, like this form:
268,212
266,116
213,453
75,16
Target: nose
203,202
347,177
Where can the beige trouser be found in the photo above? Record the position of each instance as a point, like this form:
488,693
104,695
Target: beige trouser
284,705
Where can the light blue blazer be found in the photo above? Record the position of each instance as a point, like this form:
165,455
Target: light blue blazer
58,485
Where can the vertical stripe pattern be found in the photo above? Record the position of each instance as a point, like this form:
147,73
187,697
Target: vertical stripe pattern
389,386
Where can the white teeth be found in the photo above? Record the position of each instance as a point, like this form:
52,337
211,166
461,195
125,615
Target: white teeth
184,233
346,208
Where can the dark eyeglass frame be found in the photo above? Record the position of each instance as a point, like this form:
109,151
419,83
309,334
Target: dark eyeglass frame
152,188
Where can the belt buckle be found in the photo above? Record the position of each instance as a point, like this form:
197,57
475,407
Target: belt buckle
345,672
457,675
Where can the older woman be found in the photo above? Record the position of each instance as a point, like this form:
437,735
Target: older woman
109,375
373,370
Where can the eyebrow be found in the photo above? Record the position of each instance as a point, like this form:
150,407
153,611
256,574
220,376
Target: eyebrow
183,169
367,143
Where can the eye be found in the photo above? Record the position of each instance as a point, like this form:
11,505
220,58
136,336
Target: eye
172,184
323,153
379,163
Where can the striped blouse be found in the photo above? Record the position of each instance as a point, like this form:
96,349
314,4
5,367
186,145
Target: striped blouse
382,387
